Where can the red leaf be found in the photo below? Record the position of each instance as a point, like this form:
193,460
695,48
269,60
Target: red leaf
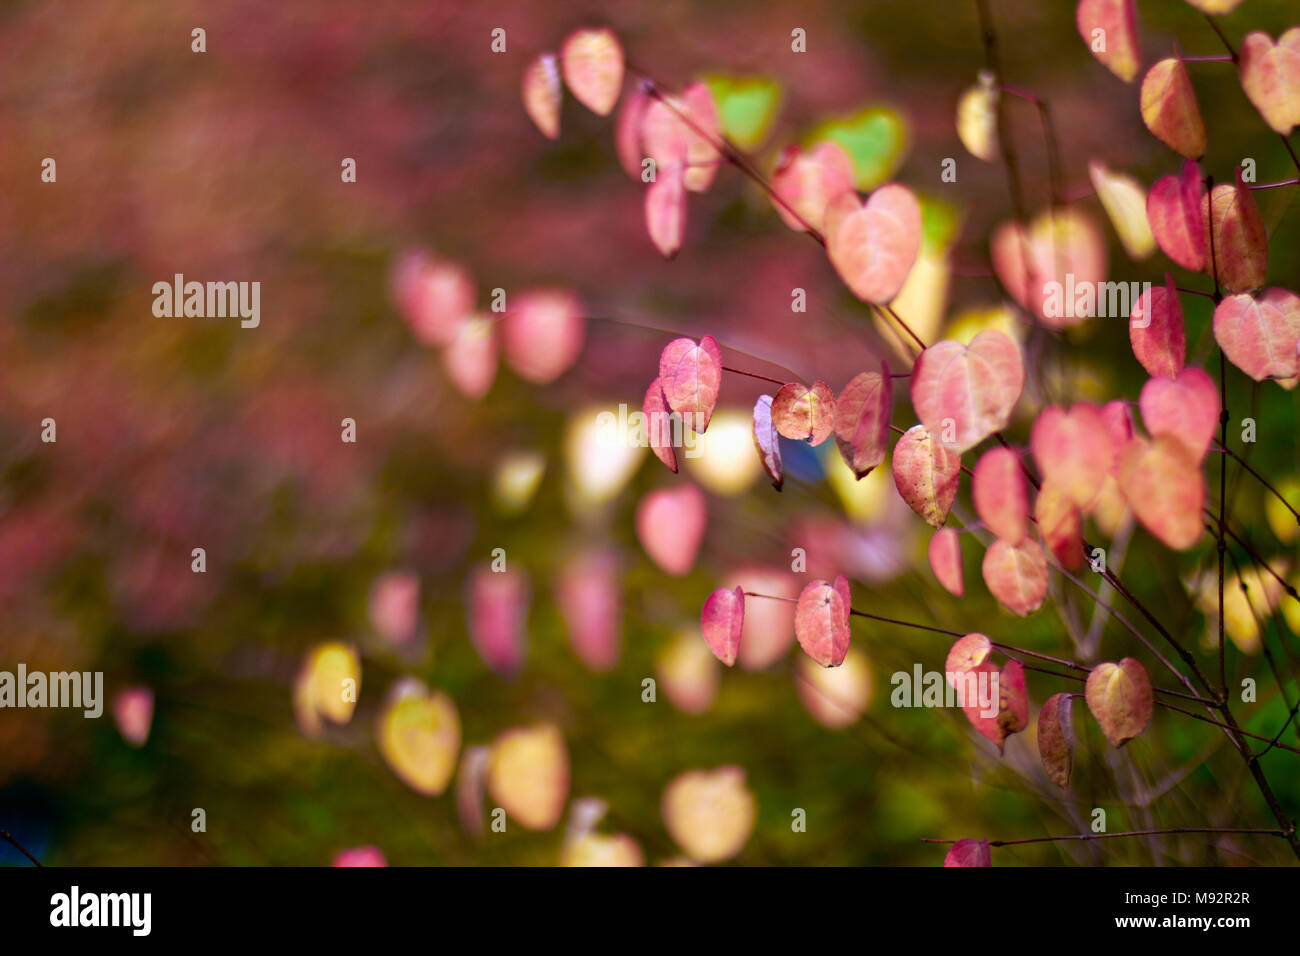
541,92
670,523
1156,331
1056,738
1117,19
691,376
1001,495
1176,212
722,619
1185,408
1169,108
1073,450
1163,484
969,853
963,394
821,623
659,425
873,246
1016,575
805,413
1240,240
862,420
592,61
1260,334
767,441
926,475
945,559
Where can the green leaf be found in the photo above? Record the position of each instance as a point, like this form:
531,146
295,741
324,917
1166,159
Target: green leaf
875,139
746,106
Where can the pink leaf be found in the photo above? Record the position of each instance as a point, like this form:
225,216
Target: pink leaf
1016,575
592,61
691,376
767,441
543,334
1001,494
1061,248
1119,423
1270,75
589,597
945,559
821,623
627,131
541,92
1175,210
769,625
659,425
808,182
963,394
1185,408
1061,525
862,415
665,208
670,523
969,853
360,856
926,475
498,612
395,606
1240,239
873,246
965,655
1260,334
1156,331
1117,19
1169,108
1163,484
1073,450
433,295
803,412
471,357
666,134
722,619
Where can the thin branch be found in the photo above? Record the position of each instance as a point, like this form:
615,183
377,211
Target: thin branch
5,835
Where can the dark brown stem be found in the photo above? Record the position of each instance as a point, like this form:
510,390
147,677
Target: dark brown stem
5,835
765,378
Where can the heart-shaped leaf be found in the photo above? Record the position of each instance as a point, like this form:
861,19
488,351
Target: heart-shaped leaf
945,560
1163,484
969,853
1056,738
862,415
1073,450
926,474
1170,110
807,182
419,736
835,696
1185,408
964,393
1061,525
1260,334
691,376
875,139
434,296
821,622
966,654
498,614
1116,45
746,106
1016,574
805,413
1125,202
1001,494
665,208
528,775
873,245
1176,212
1156,330
659,425
541,92
1240,255
687,122
1270,75
543,334
592,61
977,118
709,813
767,441
722,619
1062,247
670,524
1119,696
